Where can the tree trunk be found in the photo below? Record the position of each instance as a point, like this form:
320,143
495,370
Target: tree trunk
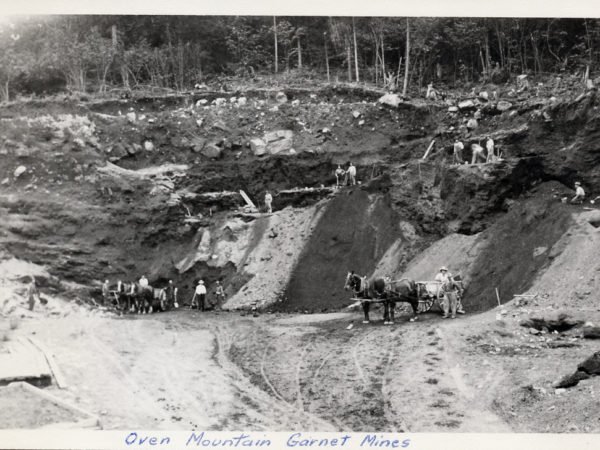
299,53
382,46
275,36
349,57
500,47
355,51
407,58
376,60
326,58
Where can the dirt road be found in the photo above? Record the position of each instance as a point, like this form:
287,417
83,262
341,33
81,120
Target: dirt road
218,371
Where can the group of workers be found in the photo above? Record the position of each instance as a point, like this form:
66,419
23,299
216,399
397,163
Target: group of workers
171,292
345,177
477,152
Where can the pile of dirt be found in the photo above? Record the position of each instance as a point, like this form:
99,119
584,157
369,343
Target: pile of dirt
354,232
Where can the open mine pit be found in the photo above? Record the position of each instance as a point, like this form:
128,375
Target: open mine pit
172,189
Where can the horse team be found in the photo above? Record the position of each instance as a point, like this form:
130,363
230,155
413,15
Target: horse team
143,299
389,292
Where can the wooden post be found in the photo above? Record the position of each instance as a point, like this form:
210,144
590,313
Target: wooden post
498,297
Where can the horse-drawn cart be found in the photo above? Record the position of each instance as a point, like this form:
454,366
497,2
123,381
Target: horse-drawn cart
430,293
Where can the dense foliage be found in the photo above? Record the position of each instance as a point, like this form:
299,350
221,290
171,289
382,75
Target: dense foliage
95,53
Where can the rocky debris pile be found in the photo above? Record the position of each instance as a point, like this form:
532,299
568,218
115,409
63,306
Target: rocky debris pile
588,368
561,323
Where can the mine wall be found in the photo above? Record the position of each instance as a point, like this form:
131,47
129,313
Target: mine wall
185,224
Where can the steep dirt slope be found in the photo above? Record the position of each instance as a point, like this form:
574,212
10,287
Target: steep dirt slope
353,233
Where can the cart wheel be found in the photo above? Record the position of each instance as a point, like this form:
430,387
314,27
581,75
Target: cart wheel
425,305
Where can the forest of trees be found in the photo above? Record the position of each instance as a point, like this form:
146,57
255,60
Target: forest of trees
44,55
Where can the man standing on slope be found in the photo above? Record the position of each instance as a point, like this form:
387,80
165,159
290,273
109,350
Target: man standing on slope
268,202
339,176
489,145
477,153
351,174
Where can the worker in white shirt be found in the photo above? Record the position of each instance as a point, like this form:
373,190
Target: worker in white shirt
199,297
458,148
351,174
268,202
489,145
579,194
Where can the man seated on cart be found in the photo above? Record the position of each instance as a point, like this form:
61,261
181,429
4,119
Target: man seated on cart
455,287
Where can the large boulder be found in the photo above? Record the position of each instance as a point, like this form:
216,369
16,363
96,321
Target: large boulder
281,98
503,105
211,151
198,144
391,100
283,145
19,171
273,136
258,146
279,141
466,105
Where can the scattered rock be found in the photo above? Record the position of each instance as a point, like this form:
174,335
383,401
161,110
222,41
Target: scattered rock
272,136
466,105
560,324
199,122
198,144
477,114
219,101
591,365
133,149
220,125
130,117
356,114
361,122
472,124
390,99
534,331
5,182
281,98
201,102
211,151
591,332
295,103
19,171
242,101
484,96
258,146
503,105
453,109
148,146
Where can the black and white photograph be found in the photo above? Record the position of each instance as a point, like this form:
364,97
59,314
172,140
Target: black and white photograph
368,224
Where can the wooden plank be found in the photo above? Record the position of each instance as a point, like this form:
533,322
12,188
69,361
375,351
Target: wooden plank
247,200
89,420
428,150
58,376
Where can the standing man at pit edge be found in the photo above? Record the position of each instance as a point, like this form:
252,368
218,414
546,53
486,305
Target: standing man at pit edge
351,174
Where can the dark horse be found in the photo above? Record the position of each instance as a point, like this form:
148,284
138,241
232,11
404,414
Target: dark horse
388,293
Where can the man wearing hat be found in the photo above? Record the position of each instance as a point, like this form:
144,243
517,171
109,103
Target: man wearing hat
448,288
579,194
199,293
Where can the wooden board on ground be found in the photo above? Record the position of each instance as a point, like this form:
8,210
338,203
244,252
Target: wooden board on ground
58,376
22,361
43,410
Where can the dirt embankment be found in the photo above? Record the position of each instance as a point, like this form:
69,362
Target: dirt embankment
354,232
